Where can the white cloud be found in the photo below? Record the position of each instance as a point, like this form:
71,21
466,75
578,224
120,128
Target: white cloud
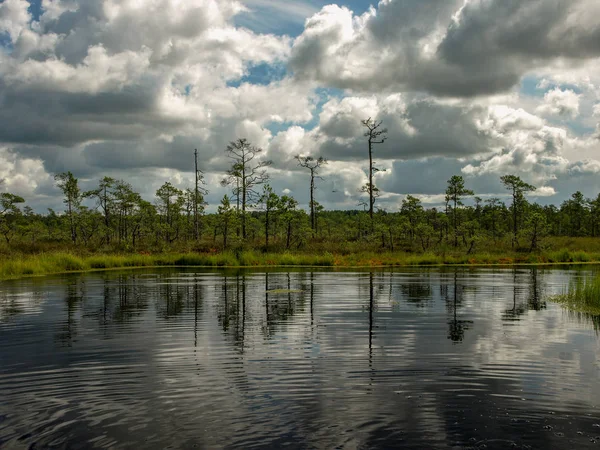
560,102
13,17
447,47
130,87
23,176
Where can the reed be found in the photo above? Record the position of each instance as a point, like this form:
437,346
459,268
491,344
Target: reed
582,295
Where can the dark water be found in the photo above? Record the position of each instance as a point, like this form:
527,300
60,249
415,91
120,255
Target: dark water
179,359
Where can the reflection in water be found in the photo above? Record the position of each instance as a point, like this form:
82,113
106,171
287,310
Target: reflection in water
124,299
302,359
535,301
15,304
232,308
517,310
75,294
527,294
456,327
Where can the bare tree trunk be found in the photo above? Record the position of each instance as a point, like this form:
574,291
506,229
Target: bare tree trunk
312,201
371,201
196,220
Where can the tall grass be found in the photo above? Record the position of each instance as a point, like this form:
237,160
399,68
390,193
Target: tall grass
582,295
60,262
18,265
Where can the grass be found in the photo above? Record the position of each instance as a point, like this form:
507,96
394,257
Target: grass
61,262
19,265
582,295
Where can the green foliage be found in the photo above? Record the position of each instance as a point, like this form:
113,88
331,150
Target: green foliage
112,226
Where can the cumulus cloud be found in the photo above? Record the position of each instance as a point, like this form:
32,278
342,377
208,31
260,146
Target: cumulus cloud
26,177
559,102
130,88
447,47
418,128
13,17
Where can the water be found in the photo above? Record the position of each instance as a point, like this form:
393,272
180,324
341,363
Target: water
409,359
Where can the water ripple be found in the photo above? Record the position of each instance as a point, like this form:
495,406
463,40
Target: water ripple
242,359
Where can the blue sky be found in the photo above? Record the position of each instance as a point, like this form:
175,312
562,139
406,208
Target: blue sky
287,17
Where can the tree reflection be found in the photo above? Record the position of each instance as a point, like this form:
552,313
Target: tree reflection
231,307
74,295
196,292
535,302
456,326
224,301
371,308
281,303
132,300
517,310
170,300
417,293
312,299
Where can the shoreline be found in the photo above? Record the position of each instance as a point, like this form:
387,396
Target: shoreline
59,263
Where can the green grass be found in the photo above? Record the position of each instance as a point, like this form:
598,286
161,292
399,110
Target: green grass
582,295
19,265
60,262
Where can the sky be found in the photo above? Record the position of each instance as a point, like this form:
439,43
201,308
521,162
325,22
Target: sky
129,88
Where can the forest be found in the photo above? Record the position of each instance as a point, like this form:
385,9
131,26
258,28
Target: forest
114,219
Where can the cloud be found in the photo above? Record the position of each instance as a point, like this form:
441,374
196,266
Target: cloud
446,47
418,128
13,17
26,177
130,88
561,103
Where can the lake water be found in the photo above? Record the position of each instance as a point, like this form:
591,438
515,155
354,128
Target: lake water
447,359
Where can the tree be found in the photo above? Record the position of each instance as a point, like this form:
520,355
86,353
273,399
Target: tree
194,209
594,206
425,233
289,215
226,217
536,227
491,212
270,201
576,207
245,174
375,135
125,203
518,189
454,193
199,193
69,186
105,197
169,205
413,210
9,214
143,220
313,165
88,223
9,202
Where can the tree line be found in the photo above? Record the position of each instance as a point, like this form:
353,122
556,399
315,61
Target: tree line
114,215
